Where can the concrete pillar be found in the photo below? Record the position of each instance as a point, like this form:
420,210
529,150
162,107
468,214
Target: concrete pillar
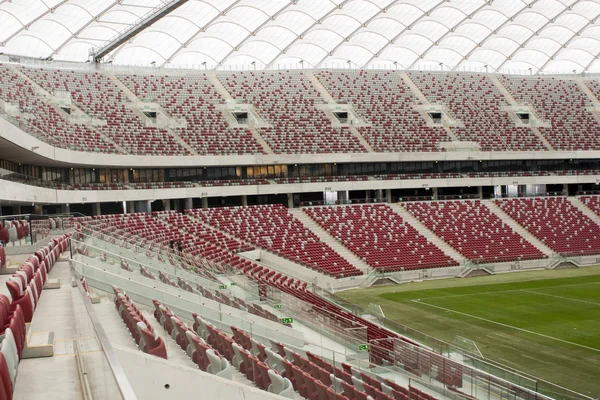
149,206
480,192
205,202
367,195
65,209
290,199
434,193
189,204
97,209
244,200
167,204
388,195
379,194
342,196
130,207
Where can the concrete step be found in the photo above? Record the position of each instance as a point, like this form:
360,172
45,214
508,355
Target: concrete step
518,228
427,233
212,78
261,140
588,212
328,239
414,89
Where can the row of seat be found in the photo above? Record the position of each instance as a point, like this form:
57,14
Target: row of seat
25,288
140,329
334,314
13,231
273,228
562,103
473,230
202,354
556,222
379,236
290,103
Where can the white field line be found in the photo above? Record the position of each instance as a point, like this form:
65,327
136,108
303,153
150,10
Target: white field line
508,326
502,291
561,297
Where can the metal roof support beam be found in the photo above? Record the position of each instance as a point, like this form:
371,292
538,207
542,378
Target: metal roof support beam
130,32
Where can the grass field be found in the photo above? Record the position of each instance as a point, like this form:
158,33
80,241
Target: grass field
545,323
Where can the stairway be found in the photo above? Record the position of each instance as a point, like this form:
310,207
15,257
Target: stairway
414,89
588,212
320,88
519,229
427,233
214,80
326,238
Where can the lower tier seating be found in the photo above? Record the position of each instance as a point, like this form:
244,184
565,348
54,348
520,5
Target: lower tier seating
473,230
380,236
273,228
556,222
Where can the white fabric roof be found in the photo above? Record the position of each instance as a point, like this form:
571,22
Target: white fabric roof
498,35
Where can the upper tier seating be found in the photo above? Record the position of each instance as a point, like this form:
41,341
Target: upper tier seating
561,103
41,119
100,98
386,102
473,230
556,222
473,99
288,101
273,228
193,98
380,236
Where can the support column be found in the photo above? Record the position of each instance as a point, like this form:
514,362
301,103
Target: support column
379,194
97,209
205,202
244,200
342,197
189,204
65,209
434,193
167,204
388,195
290,199
367,195
130,207
149,206
480,191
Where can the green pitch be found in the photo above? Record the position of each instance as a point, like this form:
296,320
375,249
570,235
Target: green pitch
544,323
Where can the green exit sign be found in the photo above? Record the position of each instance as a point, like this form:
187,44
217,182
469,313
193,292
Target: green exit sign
363,347
287,321
277,306
222,286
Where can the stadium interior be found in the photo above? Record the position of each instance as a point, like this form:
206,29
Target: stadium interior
214,183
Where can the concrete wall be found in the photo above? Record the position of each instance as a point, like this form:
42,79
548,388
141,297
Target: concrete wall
149,377
11,191
15,135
